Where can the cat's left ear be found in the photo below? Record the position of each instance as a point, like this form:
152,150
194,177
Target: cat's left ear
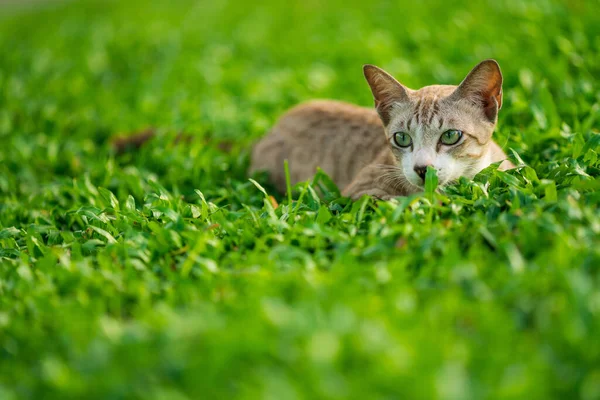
483,86
386,90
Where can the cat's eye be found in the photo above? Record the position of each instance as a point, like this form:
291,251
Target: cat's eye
451,137
402,139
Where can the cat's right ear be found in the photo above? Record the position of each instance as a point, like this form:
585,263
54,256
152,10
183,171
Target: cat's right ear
386,90
483,87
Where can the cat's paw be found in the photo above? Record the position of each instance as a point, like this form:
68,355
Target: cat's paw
376,193
384,197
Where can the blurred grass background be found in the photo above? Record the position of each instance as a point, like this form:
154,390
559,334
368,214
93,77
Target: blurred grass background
163,274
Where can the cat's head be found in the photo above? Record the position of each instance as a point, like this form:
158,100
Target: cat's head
447,127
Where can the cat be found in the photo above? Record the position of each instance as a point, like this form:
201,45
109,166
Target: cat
384,152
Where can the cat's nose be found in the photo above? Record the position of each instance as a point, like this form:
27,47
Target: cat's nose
421,170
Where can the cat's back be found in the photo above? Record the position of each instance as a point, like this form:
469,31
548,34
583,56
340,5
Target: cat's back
341,138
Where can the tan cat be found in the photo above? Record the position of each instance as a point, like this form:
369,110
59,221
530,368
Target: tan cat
385,152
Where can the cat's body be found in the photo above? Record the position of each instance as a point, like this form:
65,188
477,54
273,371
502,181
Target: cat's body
384,152
339,138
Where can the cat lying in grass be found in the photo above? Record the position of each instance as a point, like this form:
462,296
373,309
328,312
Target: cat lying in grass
384,152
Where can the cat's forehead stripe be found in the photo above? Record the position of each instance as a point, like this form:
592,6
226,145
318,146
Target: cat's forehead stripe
416,113
425,110
434,110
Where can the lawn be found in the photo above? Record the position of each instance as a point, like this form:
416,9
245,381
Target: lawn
165,273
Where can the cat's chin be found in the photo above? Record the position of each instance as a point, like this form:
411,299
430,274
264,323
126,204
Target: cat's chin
413,188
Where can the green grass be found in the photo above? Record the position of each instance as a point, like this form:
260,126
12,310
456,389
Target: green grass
167,274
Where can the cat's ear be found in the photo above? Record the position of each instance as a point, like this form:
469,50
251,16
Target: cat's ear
483,86
386,90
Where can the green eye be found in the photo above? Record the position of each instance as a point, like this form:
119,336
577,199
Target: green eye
451,137
402,139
